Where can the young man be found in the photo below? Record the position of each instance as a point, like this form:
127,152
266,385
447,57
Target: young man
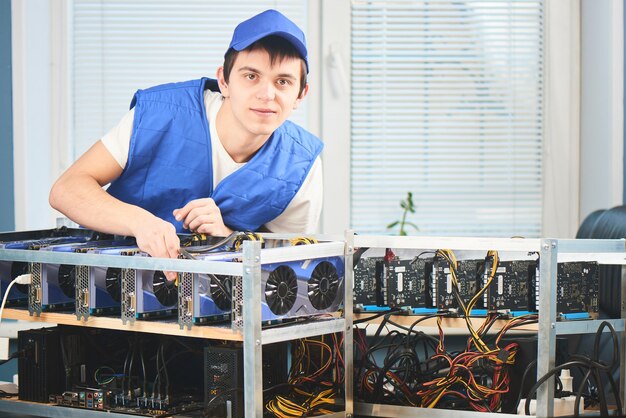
207,155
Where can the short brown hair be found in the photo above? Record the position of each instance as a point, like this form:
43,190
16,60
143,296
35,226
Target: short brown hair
278,49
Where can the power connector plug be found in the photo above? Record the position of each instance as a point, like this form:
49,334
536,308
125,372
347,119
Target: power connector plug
562,406
24,278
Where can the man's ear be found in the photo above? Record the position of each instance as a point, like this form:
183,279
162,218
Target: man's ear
221,82
305,90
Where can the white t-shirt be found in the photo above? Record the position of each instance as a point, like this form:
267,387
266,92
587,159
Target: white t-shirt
301,215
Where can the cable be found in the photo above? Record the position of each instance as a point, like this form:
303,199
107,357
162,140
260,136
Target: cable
167,377
594,367
206,248
21,279
220,395
143,368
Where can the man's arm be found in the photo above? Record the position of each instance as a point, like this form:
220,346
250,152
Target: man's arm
79,195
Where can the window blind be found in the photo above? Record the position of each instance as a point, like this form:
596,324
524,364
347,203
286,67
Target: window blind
119,46
447,103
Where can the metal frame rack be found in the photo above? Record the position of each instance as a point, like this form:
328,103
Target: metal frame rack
551,251
248,330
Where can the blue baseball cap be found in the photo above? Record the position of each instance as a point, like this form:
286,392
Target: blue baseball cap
269,22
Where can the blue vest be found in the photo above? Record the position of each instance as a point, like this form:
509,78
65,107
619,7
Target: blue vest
169,161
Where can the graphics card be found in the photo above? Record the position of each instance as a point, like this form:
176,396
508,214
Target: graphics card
205,297
577,290
56,288
407,283
468,277
99,288
9,270
301,288
509,290
367,291
58,282
147,293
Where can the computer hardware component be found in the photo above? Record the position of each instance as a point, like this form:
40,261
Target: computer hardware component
406,283
9,270
59,282
99,288
223,377
147,293
577,290
509,289
301,288
469,279
205,297
367,291
39,370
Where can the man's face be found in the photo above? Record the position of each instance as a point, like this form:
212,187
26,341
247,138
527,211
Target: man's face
262,96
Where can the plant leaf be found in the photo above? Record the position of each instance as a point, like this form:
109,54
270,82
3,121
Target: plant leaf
391,225
413,225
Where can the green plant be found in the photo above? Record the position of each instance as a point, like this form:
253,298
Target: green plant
408,206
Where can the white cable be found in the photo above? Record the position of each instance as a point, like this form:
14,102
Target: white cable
21,279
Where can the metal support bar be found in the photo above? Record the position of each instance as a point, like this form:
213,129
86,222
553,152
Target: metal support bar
348,345
306,330
546,340
252,344
379,410
586,326
622,371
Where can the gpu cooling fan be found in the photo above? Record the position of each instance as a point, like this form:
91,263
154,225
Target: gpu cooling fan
164,290
323,285
221,288
212,293
17,269
113,281
281,290
67,280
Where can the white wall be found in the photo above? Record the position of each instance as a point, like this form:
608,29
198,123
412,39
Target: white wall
32,145
602,105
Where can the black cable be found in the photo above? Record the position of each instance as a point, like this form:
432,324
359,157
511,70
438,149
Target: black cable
374,316
521,388
356,256
207,248
143,368
594,366
130,369
156,378
220,395
14,355
579,392
547,376
167,377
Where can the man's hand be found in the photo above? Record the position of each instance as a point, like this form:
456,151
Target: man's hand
158,238
203,216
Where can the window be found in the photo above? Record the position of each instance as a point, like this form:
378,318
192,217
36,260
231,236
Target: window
124,45
447,103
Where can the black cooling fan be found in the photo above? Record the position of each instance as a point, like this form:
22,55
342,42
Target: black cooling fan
281,290
17,269
164,290
114,283
221,287
67,280
323,285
